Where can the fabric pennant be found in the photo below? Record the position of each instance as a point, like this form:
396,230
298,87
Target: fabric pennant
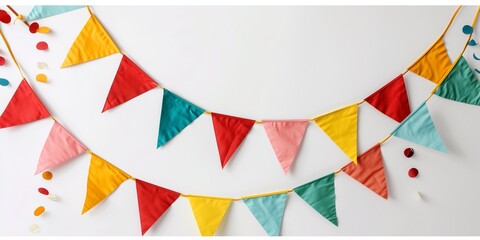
369,171
419,128
392,99
320,195
103,179
129,82
268,210
433,64
229,133
92,42
24,107
286,137
153,201
461,84
341,127
177,114
60,147
44,11
209,212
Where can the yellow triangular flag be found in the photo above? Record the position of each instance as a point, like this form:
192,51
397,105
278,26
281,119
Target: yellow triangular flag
208,212
92,42
103,179
341,126
434,63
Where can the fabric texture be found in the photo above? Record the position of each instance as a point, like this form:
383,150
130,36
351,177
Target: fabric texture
434,64
268,210
43,11
209,212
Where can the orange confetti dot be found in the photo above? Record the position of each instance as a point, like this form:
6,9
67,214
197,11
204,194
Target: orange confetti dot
42,77
47,175
43,30
39,211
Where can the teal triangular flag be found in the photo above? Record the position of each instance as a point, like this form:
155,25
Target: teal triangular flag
43,11
268,210
418,128
320,194
177,114
461,84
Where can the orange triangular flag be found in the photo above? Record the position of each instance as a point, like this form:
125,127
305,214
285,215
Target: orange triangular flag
130,81
369,171
434,63
103,179
24,107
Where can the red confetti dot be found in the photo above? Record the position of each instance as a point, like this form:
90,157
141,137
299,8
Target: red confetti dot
4,17
413,172
33,27
42,45
408,152
43,191
2,61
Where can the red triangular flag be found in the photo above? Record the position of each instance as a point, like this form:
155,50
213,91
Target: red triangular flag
60,146
153,201
229,132
24,107
369,171
130,81
392,99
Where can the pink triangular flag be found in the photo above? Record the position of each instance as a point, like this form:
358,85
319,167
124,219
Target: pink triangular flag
60,147
286,137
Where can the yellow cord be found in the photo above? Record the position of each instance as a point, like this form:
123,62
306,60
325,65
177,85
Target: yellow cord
11,54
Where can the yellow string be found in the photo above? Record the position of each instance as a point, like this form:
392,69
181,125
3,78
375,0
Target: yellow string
90,11
267,194
11,54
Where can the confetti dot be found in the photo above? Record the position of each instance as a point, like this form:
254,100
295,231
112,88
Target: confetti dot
4,82
43,191
472,43
42,45
408,152
413,172
467,29
43,30
33,27
34,228
41,77
53,197
419,196
42,65
47,175
2,61
4,17
39,211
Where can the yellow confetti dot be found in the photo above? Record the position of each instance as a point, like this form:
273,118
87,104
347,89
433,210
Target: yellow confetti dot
39,211
42,77
43,30
47,175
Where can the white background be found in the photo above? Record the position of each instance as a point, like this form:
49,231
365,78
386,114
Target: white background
253,62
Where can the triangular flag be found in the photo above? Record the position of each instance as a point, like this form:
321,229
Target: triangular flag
208,212
419,128
433,64
392,99
60,147
268,210
92,42
285,137
129,82
177,114
369,171
341,127
153,201
44,11
320,194
103,179
24,107
461,84
229,132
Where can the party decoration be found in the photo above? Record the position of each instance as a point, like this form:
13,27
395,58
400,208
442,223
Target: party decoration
4,17
59,147
42,46
34,228
44,11
153,201
418,195
43,191
472,43
285,137
177,114
369,171
92,43
341,126
103,179
408,152
43,29
129,82
433,64
39,211
2,61
475,57
419,128
391,99
268,210
460,85
4,82
413,172
24,107
209,212
33,27
41,65
467,29
320,195
229,133
52,197
477,71
41,78
47,175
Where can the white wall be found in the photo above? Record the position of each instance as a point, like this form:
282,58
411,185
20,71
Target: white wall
254,62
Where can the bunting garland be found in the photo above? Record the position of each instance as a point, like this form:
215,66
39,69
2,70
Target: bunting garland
44,11
209,212
434,64
268,210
